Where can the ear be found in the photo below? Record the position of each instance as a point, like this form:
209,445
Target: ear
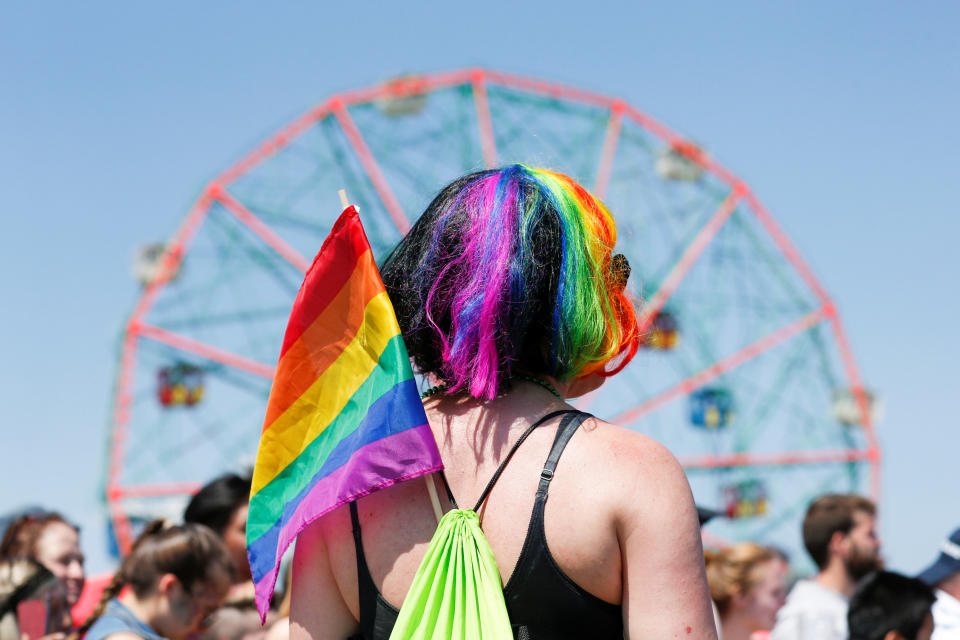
838,543
737,597
894,635
166,583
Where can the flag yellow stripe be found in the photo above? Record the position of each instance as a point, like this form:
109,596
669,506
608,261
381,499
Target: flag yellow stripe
309,415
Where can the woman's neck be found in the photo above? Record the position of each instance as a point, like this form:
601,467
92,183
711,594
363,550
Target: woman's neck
492,420
736,626
144,609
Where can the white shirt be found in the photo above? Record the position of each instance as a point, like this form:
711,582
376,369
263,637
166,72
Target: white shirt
812,612
946,617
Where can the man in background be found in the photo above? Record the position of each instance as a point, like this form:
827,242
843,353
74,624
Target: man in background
944,576
839,532
889,606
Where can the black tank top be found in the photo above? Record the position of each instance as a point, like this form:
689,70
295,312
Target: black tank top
542,601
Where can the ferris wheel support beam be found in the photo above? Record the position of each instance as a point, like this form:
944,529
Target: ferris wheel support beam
262,231
204,350
123,394
370,165
549,89
853,374
488,143
283,137
274,143
689,257
776,459
846,353
609,152
721,367
154,490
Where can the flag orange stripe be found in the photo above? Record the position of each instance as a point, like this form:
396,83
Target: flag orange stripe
325,339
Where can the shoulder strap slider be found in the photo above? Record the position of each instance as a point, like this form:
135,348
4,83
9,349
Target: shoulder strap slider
547,474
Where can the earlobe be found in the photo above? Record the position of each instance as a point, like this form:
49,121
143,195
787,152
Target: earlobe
737,598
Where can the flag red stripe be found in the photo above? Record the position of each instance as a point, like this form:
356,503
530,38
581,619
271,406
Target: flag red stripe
329,272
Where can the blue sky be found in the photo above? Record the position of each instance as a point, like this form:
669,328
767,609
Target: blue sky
841,116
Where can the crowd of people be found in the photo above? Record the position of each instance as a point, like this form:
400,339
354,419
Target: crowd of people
850,596
511,302
192,581
179,581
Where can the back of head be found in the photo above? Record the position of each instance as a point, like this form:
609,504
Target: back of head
216,502
191,552
885,601
22,535
828,515
735,570
511,271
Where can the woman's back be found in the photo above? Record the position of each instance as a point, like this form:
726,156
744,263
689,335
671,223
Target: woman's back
605,481
507,288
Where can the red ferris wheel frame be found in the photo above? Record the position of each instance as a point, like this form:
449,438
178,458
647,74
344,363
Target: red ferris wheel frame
217,191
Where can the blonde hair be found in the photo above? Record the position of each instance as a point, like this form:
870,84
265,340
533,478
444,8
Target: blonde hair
734,570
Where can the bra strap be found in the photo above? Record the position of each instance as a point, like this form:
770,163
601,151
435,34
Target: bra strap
568,427
446,485
513,450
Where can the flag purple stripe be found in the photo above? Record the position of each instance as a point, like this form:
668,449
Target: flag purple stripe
374,466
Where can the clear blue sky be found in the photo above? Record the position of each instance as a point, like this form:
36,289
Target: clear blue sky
841,116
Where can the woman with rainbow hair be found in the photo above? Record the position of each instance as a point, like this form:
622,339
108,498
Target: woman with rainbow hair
511,301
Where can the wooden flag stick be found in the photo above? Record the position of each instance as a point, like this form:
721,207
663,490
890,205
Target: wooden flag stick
343,198
434,499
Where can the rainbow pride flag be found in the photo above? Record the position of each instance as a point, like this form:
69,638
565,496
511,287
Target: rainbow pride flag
344,416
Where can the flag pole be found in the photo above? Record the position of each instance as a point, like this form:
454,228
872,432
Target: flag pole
434,499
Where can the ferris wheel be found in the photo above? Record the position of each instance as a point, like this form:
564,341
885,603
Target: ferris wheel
745,372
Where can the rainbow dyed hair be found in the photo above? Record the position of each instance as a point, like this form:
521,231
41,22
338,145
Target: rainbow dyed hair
511,271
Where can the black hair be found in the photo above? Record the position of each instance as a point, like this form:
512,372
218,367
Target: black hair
885,601
217,501
510,271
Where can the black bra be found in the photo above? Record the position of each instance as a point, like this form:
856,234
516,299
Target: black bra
542,601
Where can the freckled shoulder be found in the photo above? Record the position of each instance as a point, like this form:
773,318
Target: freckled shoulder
627,451
635,464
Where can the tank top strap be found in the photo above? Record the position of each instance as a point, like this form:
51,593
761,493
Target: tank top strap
513,450
368,591
568,426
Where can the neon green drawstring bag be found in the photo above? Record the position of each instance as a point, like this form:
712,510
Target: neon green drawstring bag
456,593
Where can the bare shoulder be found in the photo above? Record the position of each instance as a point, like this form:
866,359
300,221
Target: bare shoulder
650,483
665,592
632,455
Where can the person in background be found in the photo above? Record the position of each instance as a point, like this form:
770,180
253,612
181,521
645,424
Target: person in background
48,539
748,585
177,576
944,576
839,532
222,505
889,606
